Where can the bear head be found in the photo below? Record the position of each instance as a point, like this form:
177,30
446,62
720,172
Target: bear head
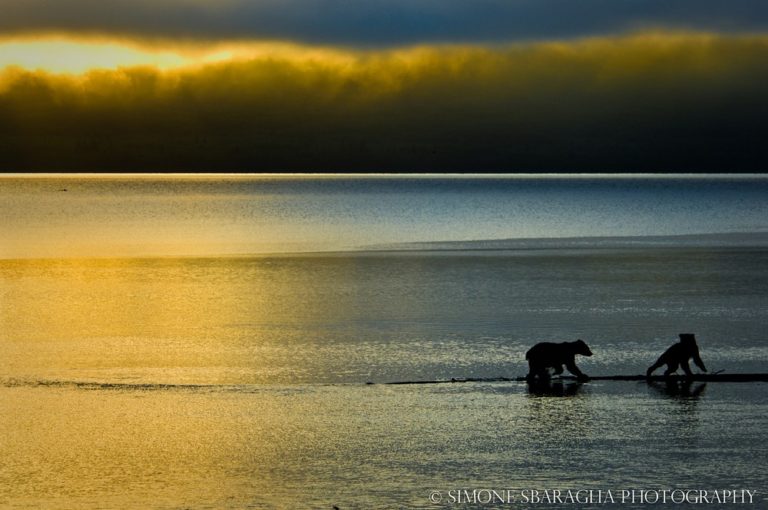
579,347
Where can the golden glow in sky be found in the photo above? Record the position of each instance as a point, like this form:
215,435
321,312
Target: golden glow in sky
634,102
69,56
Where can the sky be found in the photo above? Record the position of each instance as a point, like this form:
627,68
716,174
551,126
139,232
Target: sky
383,85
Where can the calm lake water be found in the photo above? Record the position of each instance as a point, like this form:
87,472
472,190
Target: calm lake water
239,381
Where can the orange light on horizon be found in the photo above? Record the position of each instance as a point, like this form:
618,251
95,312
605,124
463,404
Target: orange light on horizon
65,54
71,56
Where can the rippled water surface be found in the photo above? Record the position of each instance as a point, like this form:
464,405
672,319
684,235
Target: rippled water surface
239,381
210,383
376,446
382,317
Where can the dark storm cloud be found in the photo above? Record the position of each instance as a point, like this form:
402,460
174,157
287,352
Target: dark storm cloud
657,102
378,22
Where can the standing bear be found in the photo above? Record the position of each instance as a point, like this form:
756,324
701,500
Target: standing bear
547,355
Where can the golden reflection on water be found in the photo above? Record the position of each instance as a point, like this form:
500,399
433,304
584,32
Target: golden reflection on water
208,388
153,320
354,446
234,320
275,447
73,448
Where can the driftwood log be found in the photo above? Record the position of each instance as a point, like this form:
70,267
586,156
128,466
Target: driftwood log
718,377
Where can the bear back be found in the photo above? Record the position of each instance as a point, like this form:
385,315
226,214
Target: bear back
558,351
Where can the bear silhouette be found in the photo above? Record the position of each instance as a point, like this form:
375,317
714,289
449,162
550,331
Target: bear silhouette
678,355
545,355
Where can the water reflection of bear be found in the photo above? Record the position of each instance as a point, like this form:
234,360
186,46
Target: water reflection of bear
548,388
678,390
557,413
681,412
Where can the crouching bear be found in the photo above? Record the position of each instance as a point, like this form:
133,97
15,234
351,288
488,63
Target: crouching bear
678,355
541,357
